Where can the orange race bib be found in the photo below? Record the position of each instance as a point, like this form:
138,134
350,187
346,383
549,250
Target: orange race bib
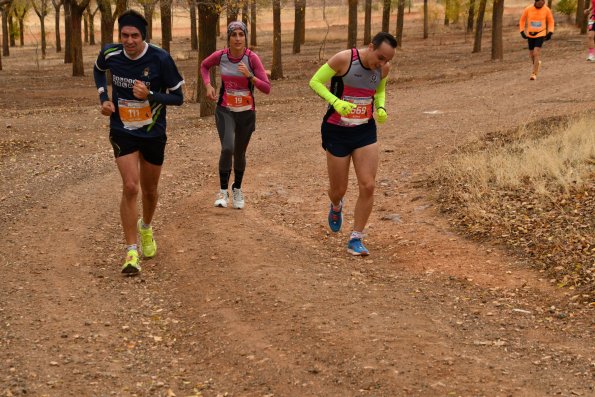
361,113
134,114
239,100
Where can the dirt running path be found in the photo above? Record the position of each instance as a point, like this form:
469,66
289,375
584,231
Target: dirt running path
264,301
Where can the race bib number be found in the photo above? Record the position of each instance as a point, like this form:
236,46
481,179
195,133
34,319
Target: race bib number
535,24
239,100
361,113
134,114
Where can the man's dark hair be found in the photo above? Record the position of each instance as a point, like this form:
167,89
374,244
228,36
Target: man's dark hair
382,37
133,18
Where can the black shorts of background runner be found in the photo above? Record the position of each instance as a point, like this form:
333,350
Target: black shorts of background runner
535,42
152,149
342,141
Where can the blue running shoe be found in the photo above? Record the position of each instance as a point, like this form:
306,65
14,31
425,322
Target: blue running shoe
335,218
356,247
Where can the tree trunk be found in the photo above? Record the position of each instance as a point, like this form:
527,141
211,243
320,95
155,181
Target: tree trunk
426,18
5,33
67,32
368,22
41,12
193,27
245,12
297,26
385,15
585,20
21,31
86,16
57,24
471,15
580,5
447,12
479,26
92,27
277,67
497,15
165,8
253,24
76,16
207,41
400,21
303,28
352,25
149,9
11,28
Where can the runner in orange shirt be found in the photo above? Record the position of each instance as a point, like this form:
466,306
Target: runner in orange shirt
536,26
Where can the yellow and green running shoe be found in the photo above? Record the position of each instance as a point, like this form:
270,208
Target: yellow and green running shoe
131,266
147,242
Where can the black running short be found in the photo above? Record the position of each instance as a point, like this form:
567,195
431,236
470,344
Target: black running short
535,42
342,141
152,149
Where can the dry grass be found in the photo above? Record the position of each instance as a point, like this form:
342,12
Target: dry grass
532,189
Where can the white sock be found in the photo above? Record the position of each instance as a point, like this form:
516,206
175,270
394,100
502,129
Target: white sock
357,235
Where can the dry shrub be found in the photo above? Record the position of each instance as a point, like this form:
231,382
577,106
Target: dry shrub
533,189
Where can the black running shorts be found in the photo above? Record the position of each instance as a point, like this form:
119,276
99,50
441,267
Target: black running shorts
342,141
152,149
535,42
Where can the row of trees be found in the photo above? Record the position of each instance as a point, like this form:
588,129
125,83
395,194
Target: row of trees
205,16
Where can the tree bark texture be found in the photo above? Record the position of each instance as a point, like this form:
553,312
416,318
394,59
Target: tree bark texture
76,16
5,33
352,25
277,67
165,8
193,26
368,22
479,26
253,24
385,15
426,19
400,21
245,12
67,32
208,17
57,5
497,15
471,15
297,26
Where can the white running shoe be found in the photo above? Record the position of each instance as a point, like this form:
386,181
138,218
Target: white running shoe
237,198
222,198
591,58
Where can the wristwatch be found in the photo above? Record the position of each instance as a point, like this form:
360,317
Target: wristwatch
150,96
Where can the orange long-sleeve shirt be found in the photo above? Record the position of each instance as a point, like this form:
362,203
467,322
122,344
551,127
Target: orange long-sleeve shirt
538,21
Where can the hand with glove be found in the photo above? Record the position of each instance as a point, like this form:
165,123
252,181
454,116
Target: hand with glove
381,115
343,107
523,35
548,36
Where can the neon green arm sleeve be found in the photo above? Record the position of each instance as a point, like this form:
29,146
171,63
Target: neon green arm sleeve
318,83
380,95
